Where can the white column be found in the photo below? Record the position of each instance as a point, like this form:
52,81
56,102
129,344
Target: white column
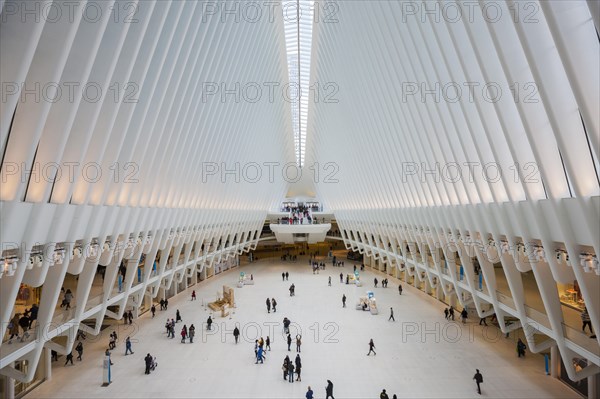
593,385
554,361
47,363
9,388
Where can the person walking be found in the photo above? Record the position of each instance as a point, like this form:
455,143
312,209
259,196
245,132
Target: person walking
391,315
259,355
287,276
130,317
24,324
342,278
309,393
400,289
463,315
371,347
183,334
521,348
67,299
298,342
148,360
13,327
330,281
383,395
329,390
32,313
69,358
193,295
451,312
128,346
482,320
344,300
291,371
446,313
177,316
286,361
586,321
478,380
282,276
236,334
298,362
268,343
209,323
289,341
153,310
79,349
375,282
268,305
191,333
162,304
274,305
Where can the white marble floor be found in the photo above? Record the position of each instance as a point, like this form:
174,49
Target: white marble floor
418,356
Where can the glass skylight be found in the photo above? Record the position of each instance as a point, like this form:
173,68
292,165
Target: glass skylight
298,21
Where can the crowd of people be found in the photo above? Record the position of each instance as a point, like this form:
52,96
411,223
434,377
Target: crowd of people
271,303
384,283
24,321
292,366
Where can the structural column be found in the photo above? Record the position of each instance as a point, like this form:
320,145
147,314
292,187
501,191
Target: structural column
554,361
9,388
593,381
47,363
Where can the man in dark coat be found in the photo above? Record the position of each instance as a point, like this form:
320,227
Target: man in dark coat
329,390
148,360
478,379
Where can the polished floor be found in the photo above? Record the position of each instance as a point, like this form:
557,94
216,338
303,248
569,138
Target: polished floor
421,355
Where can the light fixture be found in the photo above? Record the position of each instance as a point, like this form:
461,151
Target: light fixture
35,260
9,266
540,254
58,256
587,261
93,250
76,252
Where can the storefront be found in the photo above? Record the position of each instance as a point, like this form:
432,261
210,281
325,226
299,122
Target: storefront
26,297
570,295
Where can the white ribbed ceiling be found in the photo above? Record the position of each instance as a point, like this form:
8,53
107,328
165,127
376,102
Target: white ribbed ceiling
432,91
179,83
